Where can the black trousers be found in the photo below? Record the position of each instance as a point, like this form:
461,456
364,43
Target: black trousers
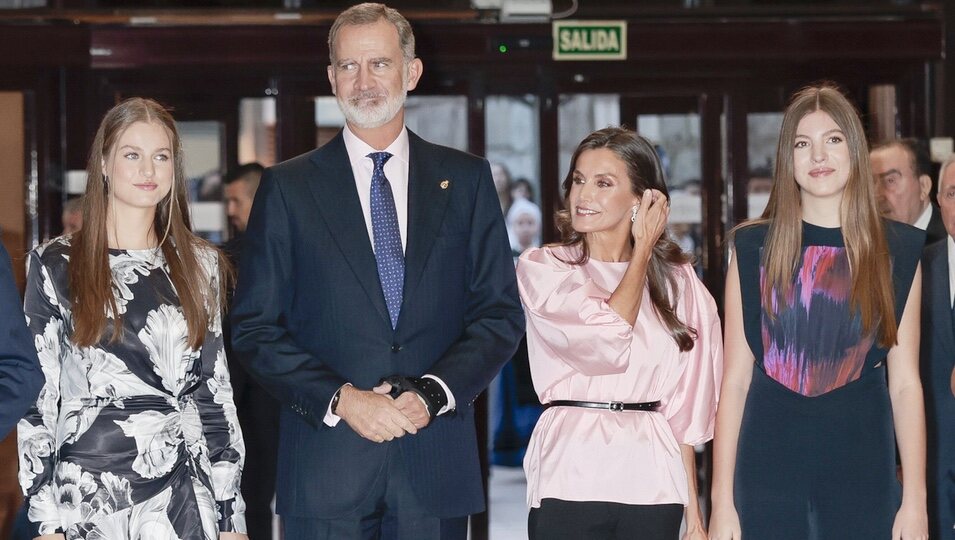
557,519
391,511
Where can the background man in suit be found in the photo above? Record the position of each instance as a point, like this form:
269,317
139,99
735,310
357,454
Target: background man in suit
20,376
258,411
238,192
902,172
377,288
938,362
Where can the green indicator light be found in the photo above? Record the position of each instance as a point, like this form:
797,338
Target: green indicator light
502,48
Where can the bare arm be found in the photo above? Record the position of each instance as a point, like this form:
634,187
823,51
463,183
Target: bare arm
737,374
694,519
905,391
646,230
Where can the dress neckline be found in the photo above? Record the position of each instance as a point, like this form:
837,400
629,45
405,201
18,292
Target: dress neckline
816,235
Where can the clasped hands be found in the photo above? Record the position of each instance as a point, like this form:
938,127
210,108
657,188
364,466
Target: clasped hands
385,412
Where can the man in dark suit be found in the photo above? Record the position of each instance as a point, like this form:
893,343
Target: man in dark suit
20,376
257,410
938,363
902,171
376,288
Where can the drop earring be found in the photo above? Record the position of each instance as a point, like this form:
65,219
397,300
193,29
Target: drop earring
106,184
633,214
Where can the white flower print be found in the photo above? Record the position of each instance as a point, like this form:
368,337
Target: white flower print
74,367
210,265
150,520
97,374
225,479
127,268
166,339
146,521
35,445
113,526
48,350
157,440
75,488
192,429
210,526
110,377
114,495
106,432
221,389
43,510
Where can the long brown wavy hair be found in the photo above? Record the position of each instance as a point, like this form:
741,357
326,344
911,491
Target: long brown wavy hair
91,281
862,229
645,172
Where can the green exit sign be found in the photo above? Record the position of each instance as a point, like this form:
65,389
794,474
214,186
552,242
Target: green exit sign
590,40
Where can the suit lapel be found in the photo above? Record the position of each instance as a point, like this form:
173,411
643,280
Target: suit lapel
427,202
941,309
336,196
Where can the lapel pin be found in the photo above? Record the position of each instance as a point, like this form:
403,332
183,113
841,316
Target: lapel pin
445,184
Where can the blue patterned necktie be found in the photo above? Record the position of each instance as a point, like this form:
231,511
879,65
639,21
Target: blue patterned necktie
384,227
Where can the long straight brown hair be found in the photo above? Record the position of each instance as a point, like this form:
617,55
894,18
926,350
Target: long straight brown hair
91,281
645,172
871,293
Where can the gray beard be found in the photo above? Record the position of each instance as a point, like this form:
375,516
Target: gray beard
375,116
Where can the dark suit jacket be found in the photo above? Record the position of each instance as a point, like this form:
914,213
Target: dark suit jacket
20,376
936,229
937,362
258,414
309,316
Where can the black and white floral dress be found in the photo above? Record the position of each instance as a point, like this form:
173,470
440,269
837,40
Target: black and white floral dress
135,439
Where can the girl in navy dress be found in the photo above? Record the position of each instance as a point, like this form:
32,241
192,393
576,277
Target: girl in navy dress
822,307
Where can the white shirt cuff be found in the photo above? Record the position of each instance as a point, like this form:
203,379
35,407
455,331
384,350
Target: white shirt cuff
447,391
331,419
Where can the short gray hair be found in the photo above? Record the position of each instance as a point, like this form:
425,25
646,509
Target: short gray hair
941,173
370,13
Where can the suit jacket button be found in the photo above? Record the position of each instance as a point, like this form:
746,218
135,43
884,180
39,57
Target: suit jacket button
395,348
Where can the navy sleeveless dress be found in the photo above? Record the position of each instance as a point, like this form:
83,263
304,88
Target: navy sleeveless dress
816,453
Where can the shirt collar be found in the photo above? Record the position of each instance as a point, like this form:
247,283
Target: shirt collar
358,149
923,220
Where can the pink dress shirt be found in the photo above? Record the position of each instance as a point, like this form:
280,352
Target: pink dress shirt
581,349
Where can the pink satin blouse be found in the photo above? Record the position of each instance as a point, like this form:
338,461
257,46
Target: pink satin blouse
581,349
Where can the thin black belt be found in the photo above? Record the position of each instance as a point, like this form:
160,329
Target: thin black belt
614,406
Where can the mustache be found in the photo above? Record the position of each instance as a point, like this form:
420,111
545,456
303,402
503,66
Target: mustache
361,96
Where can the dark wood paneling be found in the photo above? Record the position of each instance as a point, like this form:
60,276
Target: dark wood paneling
36,45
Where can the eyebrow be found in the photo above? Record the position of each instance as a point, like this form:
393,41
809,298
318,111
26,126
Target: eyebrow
889,173
598,175
134,147
345,61
833,130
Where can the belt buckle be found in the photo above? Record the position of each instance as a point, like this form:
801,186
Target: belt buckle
616,406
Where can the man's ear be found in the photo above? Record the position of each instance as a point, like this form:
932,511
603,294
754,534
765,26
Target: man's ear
331,78
415,69
925,187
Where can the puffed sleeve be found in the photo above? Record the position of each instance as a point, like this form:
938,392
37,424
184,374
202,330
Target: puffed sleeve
691,409
568,317
220,422
36,432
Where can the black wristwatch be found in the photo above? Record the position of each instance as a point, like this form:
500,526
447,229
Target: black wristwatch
335,398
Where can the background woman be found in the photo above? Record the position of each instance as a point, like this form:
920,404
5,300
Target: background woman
134,434
821,296
615,313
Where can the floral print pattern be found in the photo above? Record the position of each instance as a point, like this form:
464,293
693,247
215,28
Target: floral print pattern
133,439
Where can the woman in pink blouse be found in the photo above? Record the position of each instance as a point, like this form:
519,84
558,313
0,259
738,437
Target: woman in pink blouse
625,347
